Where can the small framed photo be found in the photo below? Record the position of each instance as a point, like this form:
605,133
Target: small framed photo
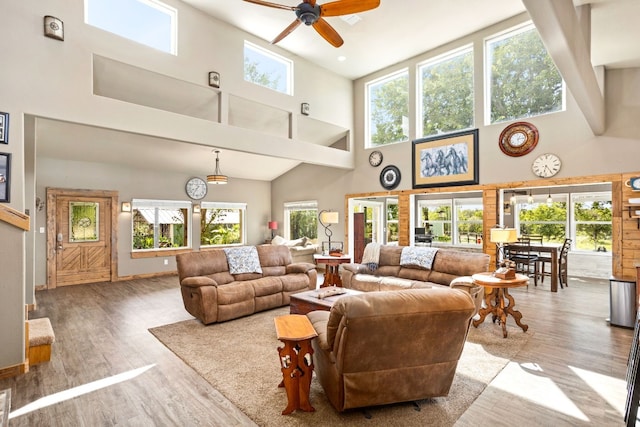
53,27
446,160
4,128
5,166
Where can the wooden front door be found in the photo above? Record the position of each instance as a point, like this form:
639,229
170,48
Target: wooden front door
80,238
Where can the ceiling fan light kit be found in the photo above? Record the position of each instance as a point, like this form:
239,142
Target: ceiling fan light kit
310,13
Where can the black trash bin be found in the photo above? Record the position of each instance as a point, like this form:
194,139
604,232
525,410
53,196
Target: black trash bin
622,302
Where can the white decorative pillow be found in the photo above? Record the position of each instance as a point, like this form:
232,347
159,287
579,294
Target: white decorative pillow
243,260
278,240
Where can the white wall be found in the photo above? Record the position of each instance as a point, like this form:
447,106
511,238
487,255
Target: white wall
42,77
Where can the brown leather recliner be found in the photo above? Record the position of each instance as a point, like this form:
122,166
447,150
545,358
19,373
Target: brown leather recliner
394,346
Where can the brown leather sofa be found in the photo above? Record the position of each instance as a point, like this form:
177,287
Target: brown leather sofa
212,294
387,347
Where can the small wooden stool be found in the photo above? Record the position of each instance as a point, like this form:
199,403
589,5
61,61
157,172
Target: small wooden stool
40,339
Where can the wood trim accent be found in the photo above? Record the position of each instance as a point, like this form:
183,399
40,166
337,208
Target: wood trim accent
14,371
159,253
147,276
625,230
14,217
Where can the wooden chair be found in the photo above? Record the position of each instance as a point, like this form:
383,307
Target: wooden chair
526,261
544,259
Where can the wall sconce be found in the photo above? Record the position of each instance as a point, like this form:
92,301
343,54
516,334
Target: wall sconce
305,108
214,79
125,207
196,209
40,204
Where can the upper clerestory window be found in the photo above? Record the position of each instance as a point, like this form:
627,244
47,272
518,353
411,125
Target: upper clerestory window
267,69
148,22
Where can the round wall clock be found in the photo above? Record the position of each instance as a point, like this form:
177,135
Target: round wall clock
518,139
546,165
196,188
390,177
375,158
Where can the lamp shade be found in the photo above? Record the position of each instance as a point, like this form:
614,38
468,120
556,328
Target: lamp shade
273,225
503,235
329,217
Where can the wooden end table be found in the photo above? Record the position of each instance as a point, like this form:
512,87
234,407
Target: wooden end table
331,274
495,299
296,360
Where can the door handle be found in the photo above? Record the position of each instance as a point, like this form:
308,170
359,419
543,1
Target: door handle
59,239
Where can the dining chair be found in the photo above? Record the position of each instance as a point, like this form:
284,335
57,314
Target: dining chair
544,259
525,260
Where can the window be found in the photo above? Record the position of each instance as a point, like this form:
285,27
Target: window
267,69
544,217
446,87
522,80
160,224
301,220
392,221
468,220
435,216
387,106
591,225
222,224
148,22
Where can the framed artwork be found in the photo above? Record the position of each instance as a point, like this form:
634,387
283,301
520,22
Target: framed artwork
5,169
4,128
445,160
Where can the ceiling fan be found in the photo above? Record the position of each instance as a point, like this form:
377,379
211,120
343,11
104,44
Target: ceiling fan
312,14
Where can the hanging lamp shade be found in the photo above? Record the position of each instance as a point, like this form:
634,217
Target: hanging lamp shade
217,177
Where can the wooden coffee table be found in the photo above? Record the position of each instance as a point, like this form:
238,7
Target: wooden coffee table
304,302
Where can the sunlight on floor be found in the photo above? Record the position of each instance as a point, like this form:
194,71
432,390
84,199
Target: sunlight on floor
611,390
78,391
529,382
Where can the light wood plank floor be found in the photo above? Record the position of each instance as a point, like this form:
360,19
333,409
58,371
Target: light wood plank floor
571,372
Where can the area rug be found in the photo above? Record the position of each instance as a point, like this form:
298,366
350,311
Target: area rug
239,358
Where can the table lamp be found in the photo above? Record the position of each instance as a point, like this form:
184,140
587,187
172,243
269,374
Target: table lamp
327,218
500,236
273,225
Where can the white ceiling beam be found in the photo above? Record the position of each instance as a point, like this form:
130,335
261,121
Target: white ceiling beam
564,37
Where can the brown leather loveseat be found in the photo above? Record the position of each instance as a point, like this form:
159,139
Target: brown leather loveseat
387,347
211,293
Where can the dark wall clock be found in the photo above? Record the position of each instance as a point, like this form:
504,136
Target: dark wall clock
518,139
390,177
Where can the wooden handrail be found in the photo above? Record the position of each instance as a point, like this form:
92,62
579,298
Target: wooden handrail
14,217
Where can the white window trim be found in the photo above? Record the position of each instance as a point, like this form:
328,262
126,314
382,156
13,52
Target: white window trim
175,204
433,61
295,206
278,58
227,205
367,109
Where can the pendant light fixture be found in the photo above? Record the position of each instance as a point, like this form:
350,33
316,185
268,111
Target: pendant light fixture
217,177
549,199
530,198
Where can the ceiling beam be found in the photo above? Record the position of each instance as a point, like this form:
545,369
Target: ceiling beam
563,34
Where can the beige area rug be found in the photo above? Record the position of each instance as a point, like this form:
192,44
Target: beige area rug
239,358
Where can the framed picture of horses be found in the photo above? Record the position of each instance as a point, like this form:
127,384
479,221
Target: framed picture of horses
446,160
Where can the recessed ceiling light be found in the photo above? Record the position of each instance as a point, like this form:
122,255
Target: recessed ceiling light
342,58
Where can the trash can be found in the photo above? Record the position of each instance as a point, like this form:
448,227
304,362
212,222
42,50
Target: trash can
622,302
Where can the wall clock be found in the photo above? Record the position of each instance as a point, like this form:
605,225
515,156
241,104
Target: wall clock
518,139
546,165
390,177
375,158
196,188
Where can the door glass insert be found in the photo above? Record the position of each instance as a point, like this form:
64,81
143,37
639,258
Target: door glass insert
83,221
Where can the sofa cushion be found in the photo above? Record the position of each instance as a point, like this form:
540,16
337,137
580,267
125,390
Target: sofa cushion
414,274
266,286
243,259
271,256
235,292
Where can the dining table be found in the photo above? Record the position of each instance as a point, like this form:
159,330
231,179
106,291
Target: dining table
542,248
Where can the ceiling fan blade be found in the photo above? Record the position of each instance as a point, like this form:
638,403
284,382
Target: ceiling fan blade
311,2
286,31
347,7
328,33
276,5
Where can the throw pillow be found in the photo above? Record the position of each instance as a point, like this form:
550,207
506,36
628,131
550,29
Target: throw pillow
278,240
243,260
305,241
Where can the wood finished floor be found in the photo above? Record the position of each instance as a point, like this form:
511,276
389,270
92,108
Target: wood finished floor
571,372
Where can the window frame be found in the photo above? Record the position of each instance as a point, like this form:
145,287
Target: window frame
288,64
157,5
242,207
487,74
305,205
367,107
581,198
137,204
447,56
